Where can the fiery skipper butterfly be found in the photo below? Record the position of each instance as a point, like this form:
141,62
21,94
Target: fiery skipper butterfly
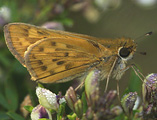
58,56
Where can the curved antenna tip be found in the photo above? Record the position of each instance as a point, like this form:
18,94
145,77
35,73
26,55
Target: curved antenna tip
149,33
143,53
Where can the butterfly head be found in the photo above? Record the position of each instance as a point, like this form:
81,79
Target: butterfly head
127,50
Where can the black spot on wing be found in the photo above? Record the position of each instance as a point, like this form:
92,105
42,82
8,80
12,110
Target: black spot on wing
33,56
60,62
43,68
69,46
53,60
53,43
94,44
41,49
53,73
40,62
66,54
43,33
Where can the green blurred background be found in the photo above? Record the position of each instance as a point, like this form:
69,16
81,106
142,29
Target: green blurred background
128,20
99,18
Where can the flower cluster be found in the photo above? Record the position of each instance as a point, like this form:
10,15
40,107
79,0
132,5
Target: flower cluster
94,105
49,104
148,108
128,103
98,106
150,97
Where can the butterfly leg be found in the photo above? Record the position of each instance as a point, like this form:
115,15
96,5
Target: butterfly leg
108,76
84,78
136,70
80,85
118,95
118,90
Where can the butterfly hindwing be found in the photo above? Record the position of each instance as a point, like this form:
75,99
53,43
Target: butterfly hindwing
53,59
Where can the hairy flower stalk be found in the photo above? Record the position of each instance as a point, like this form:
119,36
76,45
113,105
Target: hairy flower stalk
73,102
92,87
71,97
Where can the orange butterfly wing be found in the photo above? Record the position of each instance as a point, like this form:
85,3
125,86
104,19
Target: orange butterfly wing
19,36
62,59
53,55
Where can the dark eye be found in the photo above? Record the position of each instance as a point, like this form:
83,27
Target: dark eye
124,52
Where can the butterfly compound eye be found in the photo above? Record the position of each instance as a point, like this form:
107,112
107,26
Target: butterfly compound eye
124,52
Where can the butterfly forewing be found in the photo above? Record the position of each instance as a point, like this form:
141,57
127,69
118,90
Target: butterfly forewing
20,36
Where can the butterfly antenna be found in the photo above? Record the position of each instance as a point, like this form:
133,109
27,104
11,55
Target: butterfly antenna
145,35
141,53
139,74
118,93
137,70
149,33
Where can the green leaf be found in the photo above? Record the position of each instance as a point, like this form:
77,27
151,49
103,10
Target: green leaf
121,117
61,111
18,69
15,116
33,97
44,12
44,119
135,83
67,21
83,98
3,59
11,94
3,102
126,91
72,117
40,85
29,108
4,116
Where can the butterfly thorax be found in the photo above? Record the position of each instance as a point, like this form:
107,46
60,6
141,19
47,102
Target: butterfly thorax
122,50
